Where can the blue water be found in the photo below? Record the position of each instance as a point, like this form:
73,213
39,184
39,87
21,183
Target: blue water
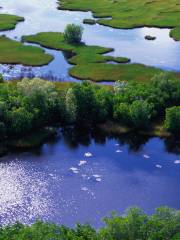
42,16
41,184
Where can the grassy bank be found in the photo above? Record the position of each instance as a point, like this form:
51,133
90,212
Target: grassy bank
116,129
13,52
8,22
132,13
90,63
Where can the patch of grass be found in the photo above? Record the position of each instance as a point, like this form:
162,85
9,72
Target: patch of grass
13,52
175,33
118,59
114,128
90,63
8,22
131,13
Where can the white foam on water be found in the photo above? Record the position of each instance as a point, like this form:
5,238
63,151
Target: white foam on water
88,154
177,161
158,166
83,162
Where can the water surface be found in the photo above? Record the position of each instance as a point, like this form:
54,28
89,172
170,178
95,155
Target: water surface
121,173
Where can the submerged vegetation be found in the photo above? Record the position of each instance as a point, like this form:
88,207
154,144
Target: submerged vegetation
30,104
131,13
134,224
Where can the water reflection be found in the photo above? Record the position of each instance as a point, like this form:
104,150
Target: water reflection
75,137
120,172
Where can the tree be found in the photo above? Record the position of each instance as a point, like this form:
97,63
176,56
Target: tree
140,114
71,106
122,113
172,119
73,33
19,121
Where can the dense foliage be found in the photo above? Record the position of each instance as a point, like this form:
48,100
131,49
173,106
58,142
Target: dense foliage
30,104
172,120
164,224
73,33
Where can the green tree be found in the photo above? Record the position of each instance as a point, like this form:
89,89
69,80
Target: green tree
73,33
172,119
140,114
19,121
71,106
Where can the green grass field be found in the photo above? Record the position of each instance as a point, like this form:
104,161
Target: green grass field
131,13
13,52
8,22
90,63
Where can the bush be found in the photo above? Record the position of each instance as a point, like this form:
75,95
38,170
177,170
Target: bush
172,119
1,79
140,114
164,224
73,33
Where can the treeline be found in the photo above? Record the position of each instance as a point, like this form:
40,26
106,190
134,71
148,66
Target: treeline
164,224
30,104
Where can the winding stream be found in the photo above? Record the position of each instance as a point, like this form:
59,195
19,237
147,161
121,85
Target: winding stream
42,16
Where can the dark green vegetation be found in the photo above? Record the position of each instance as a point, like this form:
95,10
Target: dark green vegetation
172,121
164,224
89,21
32,104
90,63
73,34
175,33
8,22
14,52
131,13
150,38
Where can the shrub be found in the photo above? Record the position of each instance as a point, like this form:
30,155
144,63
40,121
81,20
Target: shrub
172,119
140,114
73,33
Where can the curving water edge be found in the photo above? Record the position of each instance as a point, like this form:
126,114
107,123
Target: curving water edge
43,16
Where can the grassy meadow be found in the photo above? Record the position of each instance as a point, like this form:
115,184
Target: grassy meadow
90,63
131,13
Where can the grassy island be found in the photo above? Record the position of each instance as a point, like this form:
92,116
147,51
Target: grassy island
8,22
90,63
132,13
14,52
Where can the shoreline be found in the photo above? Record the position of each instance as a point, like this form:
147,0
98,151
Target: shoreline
135,26
111,129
